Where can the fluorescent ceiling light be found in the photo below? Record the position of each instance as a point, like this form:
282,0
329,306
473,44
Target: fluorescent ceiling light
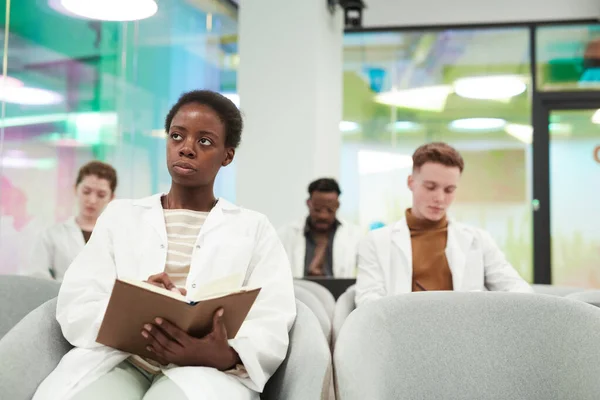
349,127
500,87
29,96
404,126
524,133
92,121
9,82
477,124
596,117
428,98
376,162
32,120
27,163
107,10
81,120
14,91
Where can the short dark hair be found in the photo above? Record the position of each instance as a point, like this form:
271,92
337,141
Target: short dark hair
101,170
437,152
324,185
228,113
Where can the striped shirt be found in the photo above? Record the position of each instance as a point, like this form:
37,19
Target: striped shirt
183,227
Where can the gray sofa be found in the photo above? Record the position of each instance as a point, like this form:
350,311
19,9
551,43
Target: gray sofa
35,345
486,345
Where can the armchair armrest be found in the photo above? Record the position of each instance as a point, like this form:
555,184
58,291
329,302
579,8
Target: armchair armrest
30,351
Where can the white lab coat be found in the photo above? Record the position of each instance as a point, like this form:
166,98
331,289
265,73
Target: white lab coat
55,249
345,248
130,241
385,263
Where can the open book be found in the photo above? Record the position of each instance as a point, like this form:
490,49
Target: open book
134,303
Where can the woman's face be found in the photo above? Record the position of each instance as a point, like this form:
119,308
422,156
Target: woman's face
196,146
93,195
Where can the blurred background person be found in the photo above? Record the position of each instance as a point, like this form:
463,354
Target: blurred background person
321,244
425,250
57,246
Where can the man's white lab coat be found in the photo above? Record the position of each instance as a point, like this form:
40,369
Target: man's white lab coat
385,263
345,248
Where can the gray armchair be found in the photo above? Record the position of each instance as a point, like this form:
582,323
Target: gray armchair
555,290
314,304
322,293
487,345
589,296
343,307
19,295
33,348
306,372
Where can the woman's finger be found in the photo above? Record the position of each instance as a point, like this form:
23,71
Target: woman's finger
163,280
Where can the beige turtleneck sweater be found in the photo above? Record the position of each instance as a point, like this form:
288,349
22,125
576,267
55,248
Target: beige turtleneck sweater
430,266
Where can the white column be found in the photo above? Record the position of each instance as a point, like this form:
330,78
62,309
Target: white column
290,87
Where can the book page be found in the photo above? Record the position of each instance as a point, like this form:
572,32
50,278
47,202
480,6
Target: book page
218,287
155,289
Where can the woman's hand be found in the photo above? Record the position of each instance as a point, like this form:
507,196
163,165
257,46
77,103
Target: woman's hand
163,280
171,345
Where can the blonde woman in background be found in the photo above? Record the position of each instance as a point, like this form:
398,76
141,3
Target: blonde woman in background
57,246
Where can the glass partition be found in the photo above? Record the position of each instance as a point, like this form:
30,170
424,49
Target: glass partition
469,88
80,89
574,212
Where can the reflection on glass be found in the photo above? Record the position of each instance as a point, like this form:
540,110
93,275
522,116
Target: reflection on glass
575,215
465,87
80,89
568,57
